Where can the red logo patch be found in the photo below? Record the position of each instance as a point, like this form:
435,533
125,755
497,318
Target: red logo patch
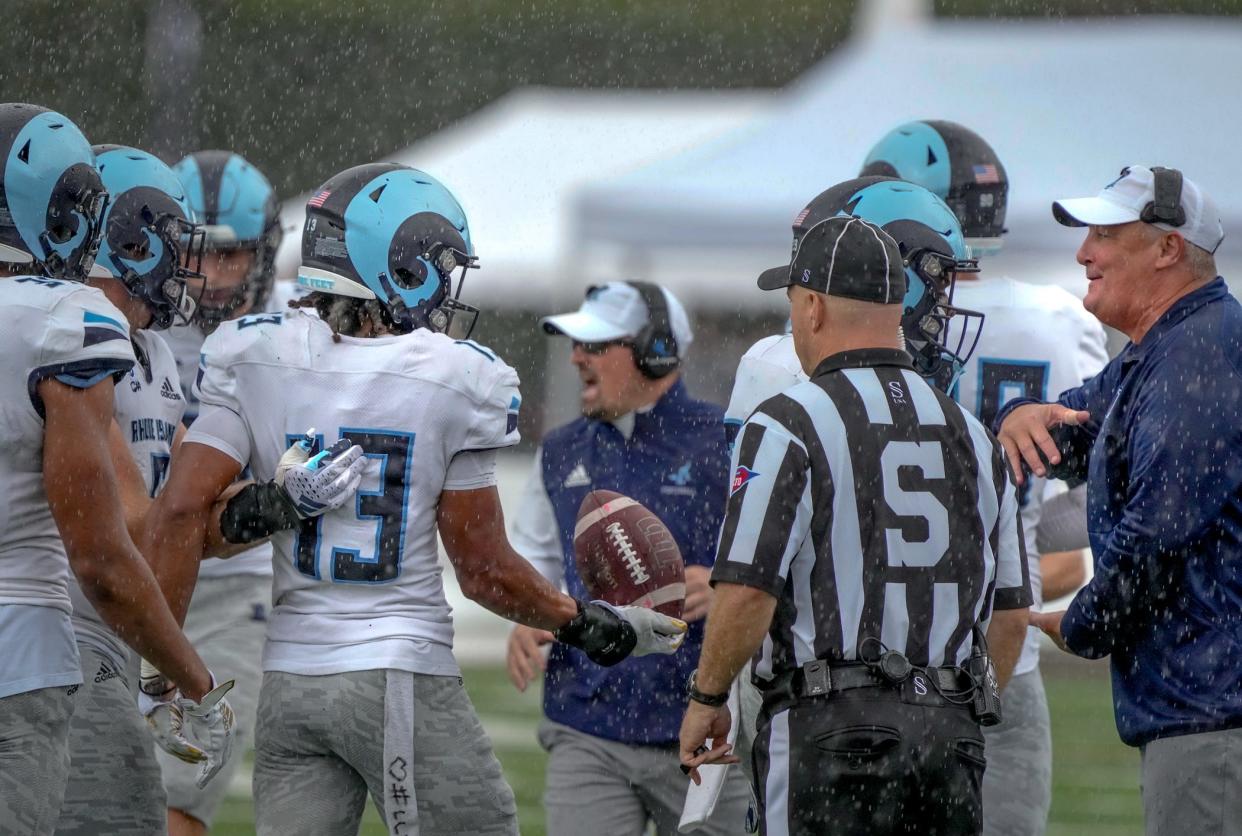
741,476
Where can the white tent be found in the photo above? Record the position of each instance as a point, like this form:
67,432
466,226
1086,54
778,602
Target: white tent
1066,104
515,164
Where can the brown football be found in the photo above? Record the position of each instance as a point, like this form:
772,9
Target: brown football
626,555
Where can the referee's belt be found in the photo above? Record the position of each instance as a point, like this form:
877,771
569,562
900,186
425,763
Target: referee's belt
818,678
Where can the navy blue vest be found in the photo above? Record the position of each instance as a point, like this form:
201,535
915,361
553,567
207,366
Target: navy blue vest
676,463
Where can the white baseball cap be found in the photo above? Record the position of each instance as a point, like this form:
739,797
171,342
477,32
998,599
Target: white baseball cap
1132,196
615,311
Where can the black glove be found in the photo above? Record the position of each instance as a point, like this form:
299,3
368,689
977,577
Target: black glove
599,632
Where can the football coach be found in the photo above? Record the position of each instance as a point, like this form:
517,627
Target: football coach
1158,436
870,542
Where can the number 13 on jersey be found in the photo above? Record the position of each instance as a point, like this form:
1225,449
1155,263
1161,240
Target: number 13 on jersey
367,548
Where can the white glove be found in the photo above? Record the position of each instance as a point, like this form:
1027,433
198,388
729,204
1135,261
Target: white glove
157,700
210,723
657,633
328,480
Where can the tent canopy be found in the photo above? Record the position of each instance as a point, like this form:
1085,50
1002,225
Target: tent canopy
515,165
1065,105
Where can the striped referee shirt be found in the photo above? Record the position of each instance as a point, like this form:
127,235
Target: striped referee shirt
872,507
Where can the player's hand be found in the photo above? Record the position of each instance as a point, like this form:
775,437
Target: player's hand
701,724
318,484
1024,435
526,658
157,700
656,632
698,593
1050,624
210,723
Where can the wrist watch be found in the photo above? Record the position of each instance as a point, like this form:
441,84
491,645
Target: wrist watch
711,700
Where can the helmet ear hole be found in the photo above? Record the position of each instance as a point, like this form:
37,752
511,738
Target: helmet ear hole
410,279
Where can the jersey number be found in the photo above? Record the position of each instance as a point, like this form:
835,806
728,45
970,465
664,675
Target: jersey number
1000,381
928,459
159,469
384,508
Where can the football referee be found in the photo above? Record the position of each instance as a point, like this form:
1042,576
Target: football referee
870,544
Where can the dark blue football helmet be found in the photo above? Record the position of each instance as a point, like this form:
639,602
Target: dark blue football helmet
151,241
955,164
393,233
51,197
238,210
934,250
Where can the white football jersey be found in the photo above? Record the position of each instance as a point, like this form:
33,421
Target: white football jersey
148,407
1037,341
768,367
359,588
186,342
70,332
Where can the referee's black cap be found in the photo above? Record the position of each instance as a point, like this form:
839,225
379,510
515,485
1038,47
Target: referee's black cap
843,256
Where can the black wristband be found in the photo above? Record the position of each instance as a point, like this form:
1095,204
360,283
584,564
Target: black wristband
712,700
605,637
257,511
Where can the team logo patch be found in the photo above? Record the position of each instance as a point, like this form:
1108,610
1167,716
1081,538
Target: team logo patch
741,476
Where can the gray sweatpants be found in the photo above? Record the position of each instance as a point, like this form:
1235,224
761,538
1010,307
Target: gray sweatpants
412,741
1193,784
34,758
226,624
1017,784
597,787
114,780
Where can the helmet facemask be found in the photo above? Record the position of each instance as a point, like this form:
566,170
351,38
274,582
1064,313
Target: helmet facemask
155,258
939,349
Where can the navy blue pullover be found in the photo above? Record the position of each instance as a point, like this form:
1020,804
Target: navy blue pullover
676,463
1164,511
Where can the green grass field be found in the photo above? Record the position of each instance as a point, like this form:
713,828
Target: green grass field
1095,777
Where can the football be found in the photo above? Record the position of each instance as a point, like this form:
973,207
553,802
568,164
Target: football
626,555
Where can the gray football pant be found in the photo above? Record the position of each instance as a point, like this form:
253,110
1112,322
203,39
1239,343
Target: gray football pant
1193,784
1017,784
597,787
226,624
320,748
34,758
114,781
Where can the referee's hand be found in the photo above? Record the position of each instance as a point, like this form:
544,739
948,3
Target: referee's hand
700,724
1024,435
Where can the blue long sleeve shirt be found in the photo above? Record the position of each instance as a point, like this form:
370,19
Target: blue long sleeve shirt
1164,512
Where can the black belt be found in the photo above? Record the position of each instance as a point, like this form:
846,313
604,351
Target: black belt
819,678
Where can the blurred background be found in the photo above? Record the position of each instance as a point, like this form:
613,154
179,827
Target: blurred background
667,140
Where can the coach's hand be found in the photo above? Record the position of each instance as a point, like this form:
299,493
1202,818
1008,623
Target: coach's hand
698,593
1025,436
1050,624
210,722
700,724
527,658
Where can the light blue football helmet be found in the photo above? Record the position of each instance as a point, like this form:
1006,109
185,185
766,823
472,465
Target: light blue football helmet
151,241
238,209
393,233
51,197
934,250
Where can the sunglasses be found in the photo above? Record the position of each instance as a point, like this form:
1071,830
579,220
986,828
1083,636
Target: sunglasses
600,347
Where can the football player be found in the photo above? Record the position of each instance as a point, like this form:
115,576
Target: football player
361,691
64,344
146,252
1039,341
227,618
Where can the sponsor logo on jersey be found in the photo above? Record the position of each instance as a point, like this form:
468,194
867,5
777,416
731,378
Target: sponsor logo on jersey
677,482
172,393
741,476
578,477
106,672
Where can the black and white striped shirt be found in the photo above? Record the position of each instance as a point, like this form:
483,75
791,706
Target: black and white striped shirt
871,505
